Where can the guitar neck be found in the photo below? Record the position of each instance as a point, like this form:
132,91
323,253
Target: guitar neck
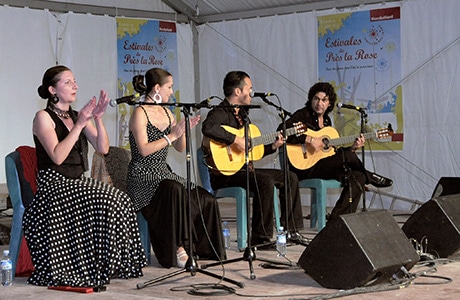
270,138
350,139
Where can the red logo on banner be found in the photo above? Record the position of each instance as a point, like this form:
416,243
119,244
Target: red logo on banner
167,26
384,14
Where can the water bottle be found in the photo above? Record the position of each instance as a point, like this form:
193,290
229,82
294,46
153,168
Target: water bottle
226,234
281,242
6,266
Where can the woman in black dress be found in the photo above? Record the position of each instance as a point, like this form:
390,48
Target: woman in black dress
157,191
80,231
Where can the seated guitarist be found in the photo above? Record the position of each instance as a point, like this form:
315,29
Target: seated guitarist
344,163
237,87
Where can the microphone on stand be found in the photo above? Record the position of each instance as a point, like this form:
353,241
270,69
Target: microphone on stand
261,95
203,104
130,100
349,106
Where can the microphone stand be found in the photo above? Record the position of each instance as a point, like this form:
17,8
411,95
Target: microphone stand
191,265
287,194
363,121
346,180
249,254
348,177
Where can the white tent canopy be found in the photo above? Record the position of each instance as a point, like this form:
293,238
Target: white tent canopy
197,11
59,32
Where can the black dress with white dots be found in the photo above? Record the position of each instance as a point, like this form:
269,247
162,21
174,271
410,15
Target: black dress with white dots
161,195
80,231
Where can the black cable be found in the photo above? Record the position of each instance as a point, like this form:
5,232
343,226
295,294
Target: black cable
446,279
277,266
395,285
211,290
223,290
193,166
362,290
218,289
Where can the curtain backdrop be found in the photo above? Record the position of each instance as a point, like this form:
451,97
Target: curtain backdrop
278,52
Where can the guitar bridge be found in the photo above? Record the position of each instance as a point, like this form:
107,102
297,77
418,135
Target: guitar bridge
229,153
304,151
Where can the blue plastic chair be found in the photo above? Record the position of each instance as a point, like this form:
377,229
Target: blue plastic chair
318,196
20,192
145,237
239,194
113,168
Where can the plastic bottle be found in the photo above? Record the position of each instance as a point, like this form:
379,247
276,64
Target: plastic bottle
6,266
226,234
281,242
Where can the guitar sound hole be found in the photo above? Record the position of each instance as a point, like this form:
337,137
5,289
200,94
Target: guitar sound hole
326,144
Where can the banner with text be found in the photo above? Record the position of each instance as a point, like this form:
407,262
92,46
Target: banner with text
359,54
142,45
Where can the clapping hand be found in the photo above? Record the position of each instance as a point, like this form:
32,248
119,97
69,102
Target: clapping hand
194,121
93,109
101,106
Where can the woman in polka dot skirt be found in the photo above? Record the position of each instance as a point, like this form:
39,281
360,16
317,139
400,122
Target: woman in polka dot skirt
157,191
80,232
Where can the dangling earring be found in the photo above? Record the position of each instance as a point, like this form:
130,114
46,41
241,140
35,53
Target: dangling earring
157,97
55,99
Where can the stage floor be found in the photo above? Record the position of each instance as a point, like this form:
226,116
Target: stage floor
275,281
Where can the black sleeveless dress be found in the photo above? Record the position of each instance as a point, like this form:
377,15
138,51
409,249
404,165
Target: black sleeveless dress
80,231
162,196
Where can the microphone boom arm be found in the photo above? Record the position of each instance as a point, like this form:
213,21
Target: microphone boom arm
278,107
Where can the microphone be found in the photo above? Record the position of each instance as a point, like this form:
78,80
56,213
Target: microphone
203,104
261,95
349,106
247,106
125,99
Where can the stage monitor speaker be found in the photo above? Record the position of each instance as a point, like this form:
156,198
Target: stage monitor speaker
435,226
447,186
357,250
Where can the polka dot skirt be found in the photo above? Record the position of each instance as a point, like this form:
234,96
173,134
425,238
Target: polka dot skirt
81,232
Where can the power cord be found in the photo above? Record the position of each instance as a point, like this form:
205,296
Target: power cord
211,290
205,289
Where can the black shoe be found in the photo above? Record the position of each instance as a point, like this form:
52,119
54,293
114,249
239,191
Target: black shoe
297,238
380,181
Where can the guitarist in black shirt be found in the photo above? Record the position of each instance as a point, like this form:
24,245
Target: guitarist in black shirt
337,164
237,87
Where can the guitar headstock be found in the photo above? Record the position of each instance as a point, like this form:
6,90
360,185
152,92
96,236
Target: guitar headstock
300,128
384,133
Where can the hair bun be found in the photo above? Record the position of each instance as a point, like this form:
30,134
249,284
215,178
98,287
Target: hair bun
42,92
138,84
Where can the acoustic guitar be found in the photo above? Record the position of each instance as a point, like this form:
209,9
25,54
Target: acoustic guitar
228,160
304,156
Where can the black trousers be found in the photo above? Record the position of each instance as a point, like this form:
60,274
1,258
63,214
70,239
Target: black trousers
261,185
345,167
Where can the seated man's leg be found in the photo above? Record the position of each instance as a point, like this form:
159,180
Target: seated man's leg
262,187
